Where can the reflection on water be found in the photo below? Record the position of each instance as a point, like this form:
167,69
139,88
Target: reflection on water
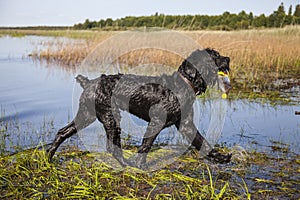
36,94
251,123
31,92
30,89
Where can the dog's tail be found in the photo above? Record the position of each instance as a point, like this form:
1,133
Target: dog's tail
82,80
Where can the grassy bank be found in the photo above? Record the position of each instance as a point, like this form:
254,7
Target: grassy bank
271,172
75,34
82,175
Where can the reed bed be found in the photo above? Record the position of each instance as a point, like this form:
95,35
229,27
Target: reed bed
263,62
67,55
258,57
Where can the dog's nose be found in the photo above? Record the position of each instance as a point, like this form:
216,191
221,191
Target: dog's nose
227,59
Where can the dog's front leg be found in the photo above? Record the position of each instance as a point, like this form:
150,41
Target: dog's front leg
207,151
152,131
188,128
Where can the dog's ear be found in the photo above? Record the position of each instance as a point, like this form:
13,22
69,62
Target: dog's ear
192,72
221,62
187,69
213,53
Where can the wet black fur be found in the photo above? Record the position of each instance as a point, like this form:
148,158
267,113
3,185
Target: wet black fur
162,101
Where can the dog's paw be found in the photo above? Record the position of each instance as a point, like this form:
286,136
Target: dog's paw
129,162
137,161
218,157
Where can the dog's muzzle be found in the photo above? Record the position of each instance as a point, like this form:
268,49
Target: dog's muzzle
224,83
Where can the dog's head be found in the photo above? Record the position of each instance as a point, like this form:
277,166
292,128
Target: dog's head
206,67
222,63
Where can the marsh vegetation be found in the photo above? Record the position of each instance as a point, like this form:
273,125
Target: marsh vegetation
265,63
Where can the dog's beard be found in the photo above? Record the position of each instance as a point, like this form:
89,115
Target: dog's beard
224,83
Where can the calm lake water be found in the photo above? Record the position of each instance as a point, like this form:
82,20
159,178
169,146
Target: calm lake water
36,100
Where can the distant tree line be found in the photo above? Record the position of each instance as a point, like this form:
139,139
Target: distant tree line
226,21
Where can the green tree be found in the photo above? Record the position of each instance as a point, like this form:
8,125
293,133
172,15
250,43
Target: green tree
277,18
109,22
297,11
250,17
226,21
243,20
260,21
87,24
101,23
290,10
289,18
280,9
78,26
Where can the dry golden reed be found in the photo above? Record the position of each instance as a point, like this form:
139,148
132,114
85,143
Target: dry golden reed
258,57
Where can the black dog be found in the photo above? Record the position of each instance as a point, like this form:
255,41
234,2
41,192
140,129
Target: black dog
162,101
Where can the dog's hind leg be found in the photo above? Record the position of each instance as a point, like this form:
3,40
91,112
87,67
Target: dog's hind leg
84,117
111,123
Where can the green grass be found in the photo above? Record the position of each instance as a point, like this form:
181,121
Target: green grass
31,176
75,34
75,174
82,175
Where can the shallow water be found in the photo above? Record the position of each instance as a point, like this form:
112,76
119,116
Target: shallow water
32,93
31,90
38,97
